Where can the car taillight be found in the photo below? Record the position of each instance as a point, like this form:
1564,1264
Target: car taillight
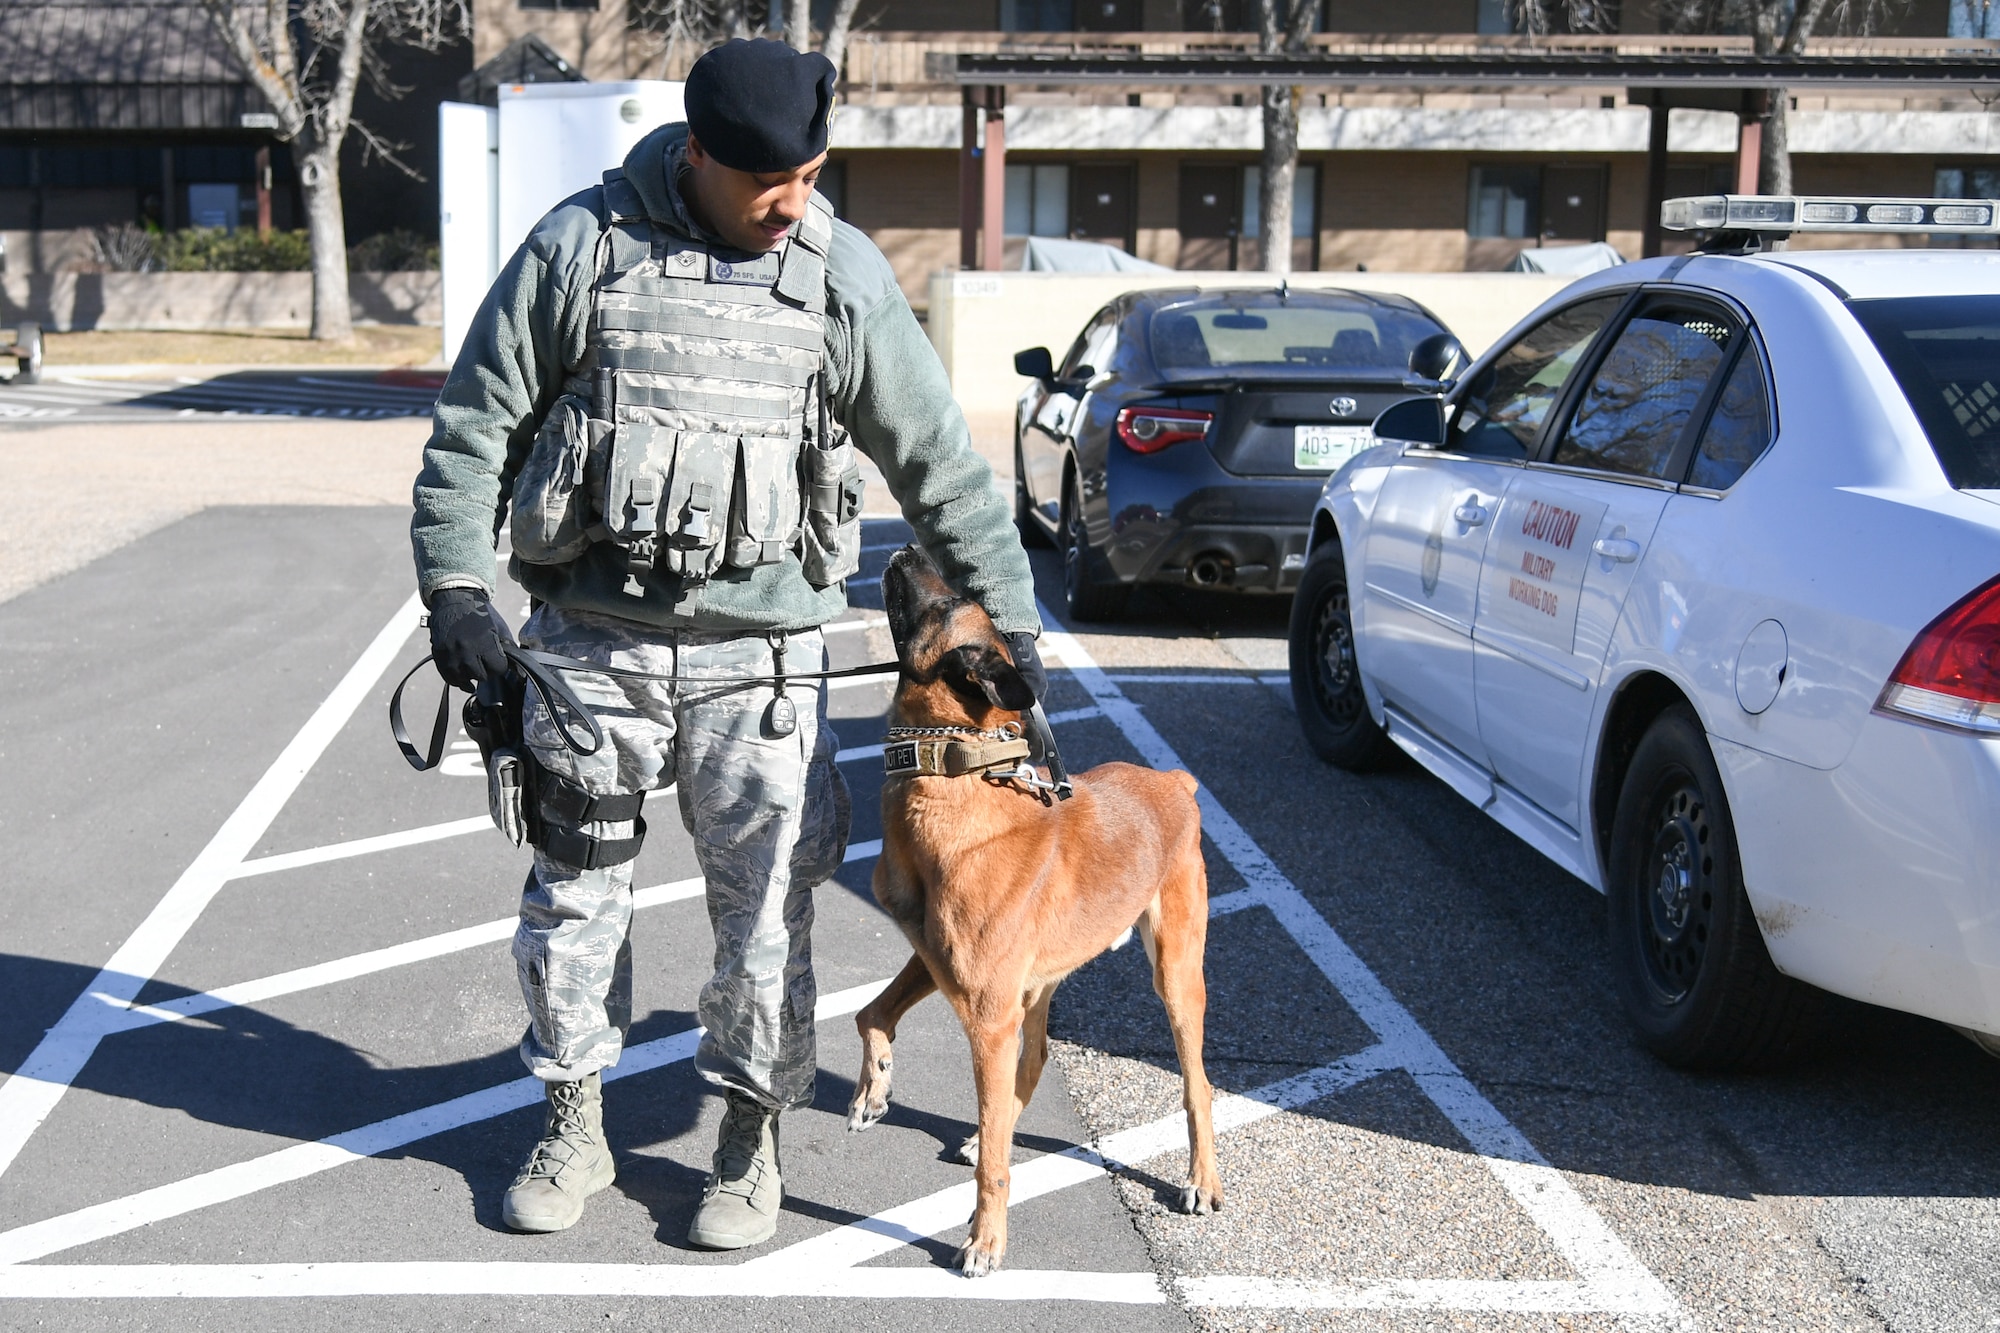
1951,674
1147,430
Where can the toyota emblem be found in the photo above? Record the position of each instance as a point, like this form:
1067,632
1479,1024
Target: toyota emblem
1343,407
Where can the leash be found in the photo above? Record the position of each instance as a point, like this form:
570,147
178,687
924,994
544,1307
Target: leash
574,722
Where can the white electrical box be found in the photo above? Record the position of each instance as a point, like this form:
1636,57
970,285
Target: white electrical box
546,142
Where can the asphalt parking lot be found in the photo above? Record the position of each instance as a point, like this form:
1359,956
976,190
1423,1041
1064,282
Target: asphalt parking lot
261,1024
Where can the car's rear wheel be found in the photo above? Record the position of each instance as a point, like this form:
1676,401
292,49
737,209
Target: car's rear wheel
1693,972
1024,507
1086,597
1326,678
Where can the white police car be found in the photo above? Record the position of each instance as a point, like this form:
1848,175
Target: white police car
1690,582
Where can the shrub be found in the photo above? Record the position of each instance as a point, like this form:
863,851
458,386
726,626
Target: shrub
392,252
215,250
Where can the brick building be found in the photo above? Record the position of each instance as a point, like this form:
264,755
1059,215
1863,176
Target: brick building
1393,180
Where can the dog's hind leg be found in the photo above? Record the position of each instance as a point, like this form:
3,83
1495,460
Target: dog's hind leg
1028,1070
1175,928
877,1023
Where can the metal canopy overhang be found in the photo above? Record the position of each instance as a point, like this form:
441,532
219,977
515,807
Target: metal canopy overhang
1979,67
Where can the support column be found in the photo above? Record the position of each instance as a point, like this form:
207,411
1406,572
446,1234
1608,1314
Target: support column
1656,177
968,183
993,185
1749,142
264,190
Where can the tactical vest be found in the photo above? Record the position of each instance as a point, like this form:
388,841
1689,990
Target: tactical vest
696,435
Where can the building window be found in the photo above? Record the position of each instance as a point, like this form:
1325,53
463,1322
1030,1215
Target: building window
1968,183
1037,199
1975,18
1495,16
1505,202
1038,15
1305,196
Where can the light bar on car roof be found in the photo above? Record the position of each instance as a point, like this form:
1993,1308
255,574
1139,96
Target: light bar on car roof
1815,212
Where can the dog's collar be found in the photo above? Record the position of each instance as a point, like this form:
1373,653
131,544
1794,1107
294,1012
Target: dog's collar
953,752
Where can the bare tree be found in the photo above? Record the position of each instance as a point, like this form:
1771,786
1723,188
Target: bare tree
1283,26
798,28
308,58
838,25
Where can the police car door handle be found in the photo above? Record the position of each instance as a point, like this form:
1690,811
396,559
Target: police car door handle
1471,515
1622,549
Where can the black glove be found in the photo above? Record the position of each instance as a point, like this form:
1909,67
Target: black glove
468,638
1028,662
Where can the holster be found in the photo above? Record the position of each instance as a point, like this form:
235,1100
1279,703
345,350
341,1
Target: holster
530,804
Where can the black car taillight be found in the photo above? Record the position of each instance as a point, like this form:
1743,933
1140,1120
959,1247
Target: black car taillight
1147,430
1951,674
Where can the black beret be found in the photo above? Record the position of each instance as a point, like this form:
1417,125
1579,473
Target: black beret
759,105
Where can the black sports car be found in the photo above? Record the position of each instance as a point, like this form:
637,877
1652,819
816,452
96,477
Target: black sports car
1186,435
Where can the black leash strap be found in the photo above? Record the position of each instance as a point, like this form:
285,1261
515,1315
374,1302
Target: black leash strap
1042,749
573,720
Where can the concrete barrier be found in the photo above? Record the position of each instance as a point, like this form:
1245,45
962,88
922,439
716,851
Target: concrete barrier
979,320
68,302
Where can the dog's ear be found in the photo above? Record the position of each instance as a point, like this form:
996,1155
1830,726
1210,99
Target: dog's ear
984,671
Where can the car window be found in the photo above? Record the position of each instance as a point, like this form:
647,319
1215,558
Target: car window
1945,354
1501,412
1080,351
1631,417
1304,332
1738,431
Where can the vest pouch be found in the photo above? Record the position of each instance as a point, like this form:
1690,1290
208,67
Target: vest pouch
671,486
834,485
764,509
551,518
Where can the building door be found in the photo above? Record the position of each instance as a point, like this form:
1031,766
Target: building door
1109,16
1208,221
1100,204
1573,203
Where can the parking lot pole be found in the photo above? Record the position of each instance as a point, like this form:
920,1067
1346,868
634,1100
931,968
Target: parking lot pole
1656,176
993,191
968,182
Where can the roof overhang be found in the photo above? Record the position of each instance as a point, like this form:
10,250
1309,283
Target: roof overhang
1886,73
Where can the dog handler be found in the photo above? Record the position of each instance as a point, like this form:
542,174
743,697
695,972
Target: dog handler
660,385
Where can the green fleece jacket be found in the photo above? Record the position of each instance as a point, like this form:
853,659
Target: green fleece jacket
886,386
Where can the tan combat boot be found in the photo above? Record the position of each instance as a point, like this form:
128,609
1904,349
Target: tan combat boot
568,1165
740,1206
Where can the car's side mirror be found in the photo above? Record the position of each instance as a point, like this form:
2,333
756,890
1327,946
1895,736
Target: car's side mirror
1416,420
1433,358
1036,364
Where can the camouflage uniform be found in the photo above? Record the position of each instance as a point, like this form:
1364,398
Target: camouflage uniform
769,818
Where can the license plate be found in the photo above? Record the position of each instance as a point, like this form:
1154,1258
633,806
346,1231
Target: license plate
1325,448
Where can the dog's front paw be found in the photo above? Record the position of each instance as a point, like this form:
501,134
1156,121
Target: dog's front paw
1201,1200
967,1152
981,1255
871,1096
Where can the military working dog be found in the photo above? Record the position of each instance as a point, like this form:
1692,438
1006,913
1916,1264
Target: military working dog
1003,893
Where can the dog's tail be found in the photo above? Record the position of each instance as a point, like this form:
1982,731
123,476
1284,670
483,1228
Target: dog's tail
1187,780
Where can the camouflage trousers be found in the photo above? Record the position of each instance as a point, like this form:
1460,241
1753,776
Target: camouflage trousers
769,817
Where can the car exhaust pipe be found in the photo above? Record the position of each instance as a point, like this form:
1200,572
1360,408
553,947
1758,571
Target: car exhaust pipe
1211,569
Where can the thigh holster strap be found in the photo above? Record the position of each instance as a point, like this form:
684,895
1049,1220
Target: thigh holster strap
574,847
564,802
563,806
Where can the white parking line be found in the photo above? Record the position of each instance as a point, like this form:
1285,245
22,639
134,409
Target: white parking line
65,1231
236,1281
1139,678
1601,1259
336,970
38,1083
381,842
